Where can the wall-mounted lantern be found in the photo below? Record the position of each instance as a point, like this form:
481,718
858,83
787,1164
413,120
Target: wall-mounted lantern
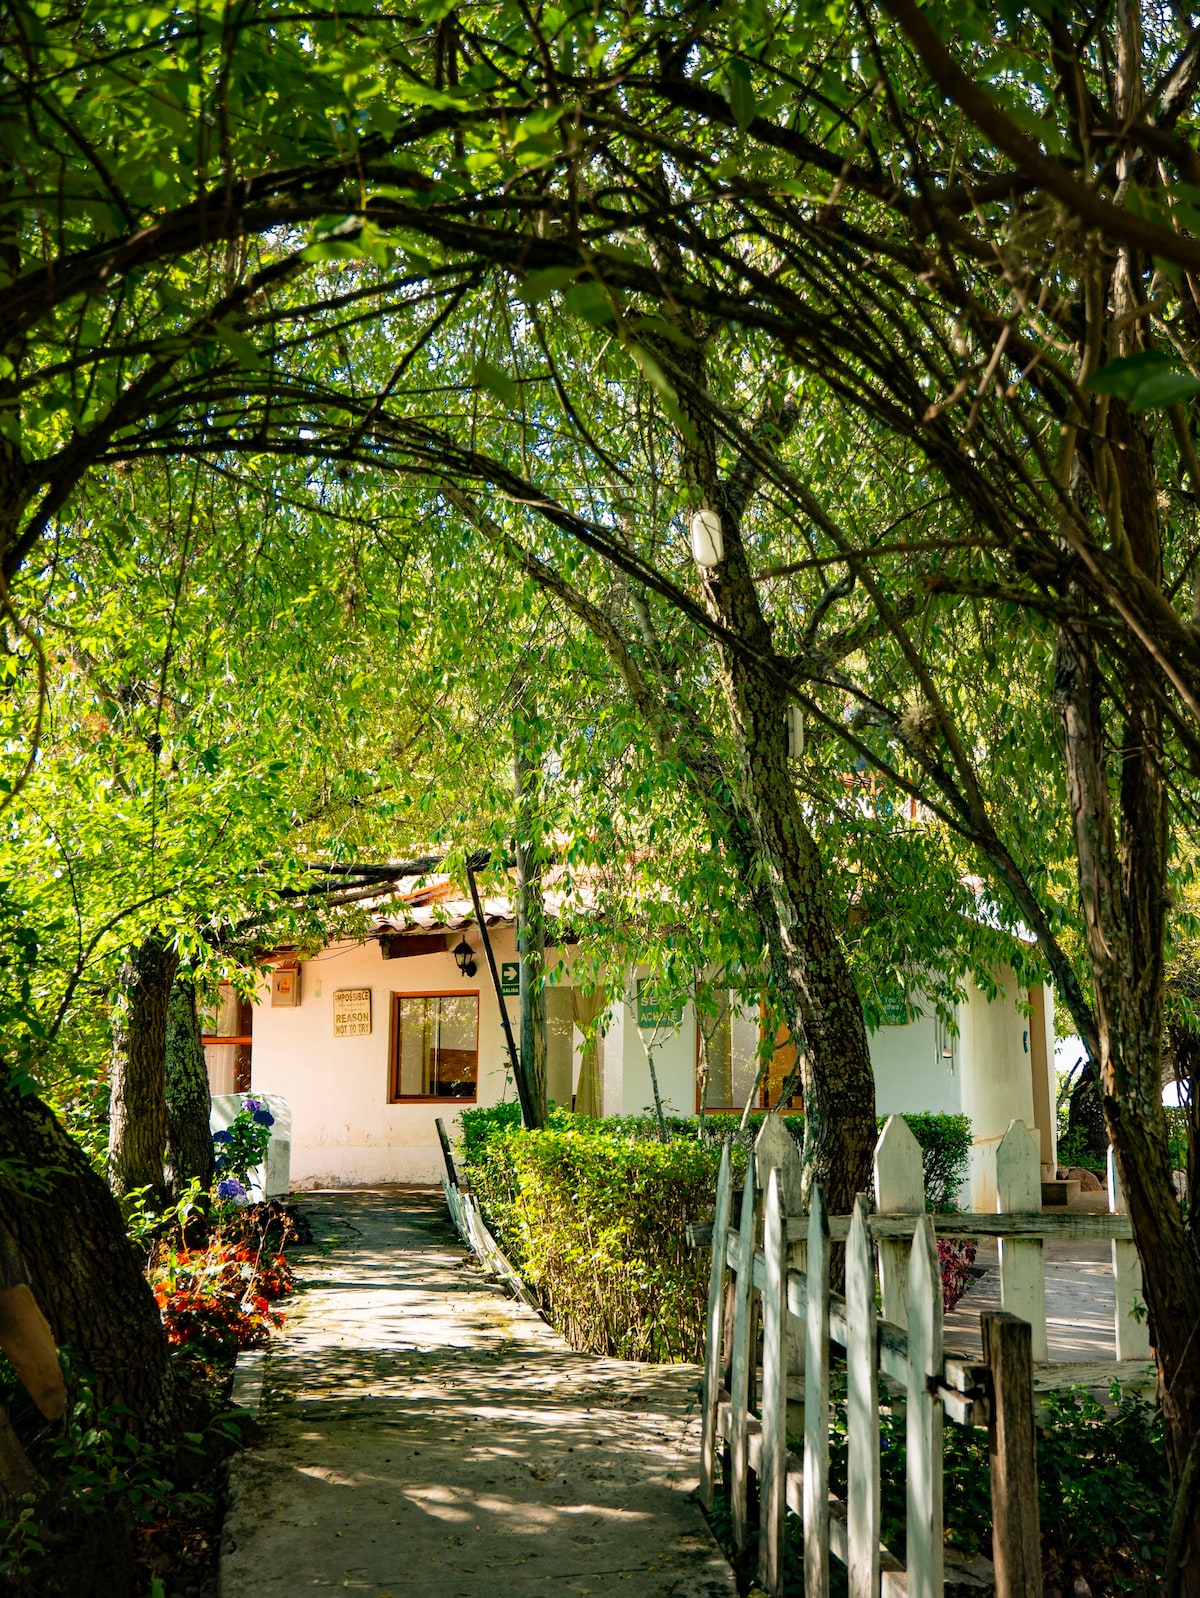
464,958
708,546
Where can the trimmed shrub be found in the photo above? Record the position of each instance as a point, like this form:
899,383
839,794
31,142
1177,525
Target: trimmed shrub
594,1219
592,1213
945,1152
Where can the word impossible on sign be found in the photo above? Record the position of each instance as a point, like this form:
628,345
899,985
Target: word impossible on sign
351,1012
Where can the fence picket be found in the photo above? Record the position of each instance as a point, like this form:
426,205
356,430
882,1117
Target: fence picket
899,1190
1022,1270
772,1475
862,1409
926,1554
816,1405
713,1328
775,1149
1133,1335
739,1377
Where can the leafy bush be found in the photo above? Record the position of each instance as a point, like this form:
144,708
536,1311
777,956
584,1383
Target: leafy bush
218,1299
592,1213
594,1219
945,1152
241,1147
1103,1493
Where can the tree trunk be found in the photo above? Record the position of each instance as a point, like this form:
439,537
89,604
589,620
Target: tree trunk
531,915
189,1138
838,1081
1123,892
81,1268
1185,1045
137,1139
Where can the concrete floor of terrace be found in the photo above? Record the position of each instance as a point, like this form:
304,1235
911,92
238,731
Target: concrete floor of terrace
423,1434
1080,1302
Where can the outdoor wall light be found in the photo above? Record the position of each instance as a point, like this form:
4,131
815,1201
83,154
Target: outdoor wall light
708,547
464,957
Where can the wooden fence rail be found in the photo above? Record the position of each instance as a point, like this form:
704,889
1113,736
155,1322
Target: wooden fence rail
773,1271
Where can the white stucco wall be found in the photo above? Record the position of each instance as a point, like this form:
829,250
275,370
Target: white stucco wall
344,1131
674,1051
910,1073
999,1088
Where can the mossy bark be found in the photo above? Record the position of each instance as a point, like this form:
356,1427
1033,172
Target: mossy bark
81,1268
836,1073
137,1141
189,1149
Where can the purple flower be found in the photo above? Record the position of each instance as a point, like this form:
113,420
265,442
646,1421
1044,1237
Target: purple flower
222,1137
252,1104
230,1188
264,1118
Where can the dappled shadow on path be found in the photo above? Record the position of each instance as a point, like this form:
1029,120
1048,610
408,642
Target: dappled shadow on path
425,1434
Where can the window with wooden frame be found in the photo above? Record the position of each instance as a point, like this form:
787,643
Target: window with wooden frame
733,1041
435,1046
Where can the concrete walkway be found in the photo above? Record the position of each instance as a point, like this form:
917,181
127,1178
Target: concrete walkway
424,1434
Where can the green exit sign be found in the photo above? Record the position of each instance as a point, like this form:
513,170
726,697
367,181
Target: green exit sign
510,978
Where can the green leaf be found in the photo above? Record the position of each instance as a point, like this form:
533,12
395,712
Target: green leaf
239,346
739,88
1144,381
496,382
538,286
652,371
590,302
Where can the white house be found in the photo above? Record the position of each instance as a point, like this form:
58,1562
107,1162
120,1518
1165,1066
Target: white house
370,1042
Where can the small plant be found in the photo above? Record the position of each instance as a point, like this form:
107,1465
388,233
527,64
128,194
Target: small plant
219,1299
147,1219
241,1147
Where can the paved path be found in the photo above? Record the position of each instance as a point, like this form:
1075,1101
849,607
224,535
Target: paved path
1080,1300
1080,1303
425,1435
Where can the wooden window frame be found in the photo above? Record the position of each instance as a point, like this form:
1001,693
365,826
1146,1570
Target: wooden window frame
764,1091
394,1049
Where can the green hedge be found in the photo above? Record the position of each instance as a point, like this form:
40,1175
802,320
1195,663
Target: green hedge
592,1213
945,1139
593,1218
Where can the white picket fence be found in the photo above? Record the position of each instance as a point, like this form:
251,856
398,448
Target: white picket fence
777,1272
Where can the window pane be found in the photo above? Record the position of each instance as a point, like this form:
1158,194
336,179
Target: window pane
437,1046
414,1046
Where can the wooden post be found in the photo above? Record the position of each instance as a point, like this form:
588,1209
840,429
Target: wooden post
1133,1335
1022,1270
714,1327
926,1549
899,1190
447,1154
863,1508
772,1476
816,1405
498,988
739,1376
1016,1541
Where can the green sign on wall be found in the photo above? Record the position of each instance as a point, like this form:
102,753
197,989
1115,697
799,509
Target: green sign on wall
510,978
652,1014
895,1009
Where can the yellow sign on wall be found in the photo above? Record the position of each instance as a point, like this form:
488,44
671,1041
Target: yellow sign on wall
352,1012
